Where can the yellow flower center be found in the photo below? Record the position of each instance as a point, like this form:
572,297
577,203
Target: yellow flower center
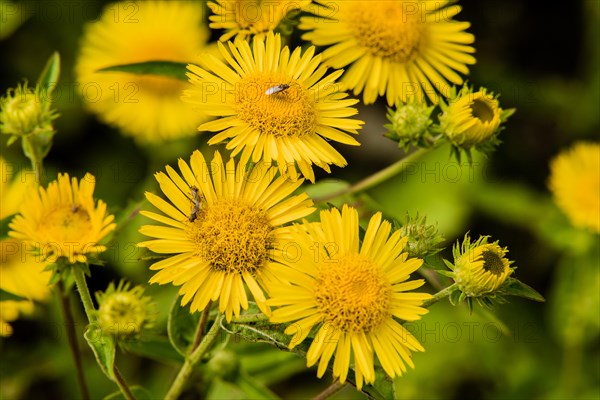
284,112
393,30
352,294
232,237
66,224
483,109
492,262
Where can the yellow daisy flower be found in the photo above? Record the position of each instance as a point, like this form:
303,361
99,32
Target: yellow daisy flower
353,294
22,273
9,311
147,107
15,184
222,224
575,184
63,220
250,17
400,49
274,106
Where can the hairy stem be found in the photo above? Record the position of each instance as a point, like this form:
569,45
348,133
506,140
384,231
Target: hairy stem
65,306
378,177
122,384
439,296
330,391
84,293
201,326
192,359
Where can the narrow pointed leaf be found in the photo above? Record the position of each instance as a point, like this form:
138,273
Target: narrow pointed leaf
6,296
48,79
515,287
103,347
169,69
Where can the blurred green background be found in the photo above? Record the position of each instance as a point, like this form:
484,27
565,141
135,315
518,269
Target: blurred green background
543,57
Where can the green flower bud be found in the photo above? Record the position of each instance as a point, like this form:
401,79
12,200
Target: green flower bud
124,313
409,124
23,113
423,239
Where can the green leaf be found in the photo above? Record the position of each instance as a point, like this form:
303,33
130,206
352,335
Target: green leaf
181,326
48,79
382,388
267,364
169,69
154,347
445,273
272,334
4,226
138,392
325,188
515,287
253,389
103,347
7,296
454,297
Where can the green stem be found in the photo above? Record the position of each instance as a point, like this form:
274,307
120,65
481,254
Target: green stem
33,153
201,326
378,177
122,384
192,359
65,306
330,391
90,312
84,293
439,295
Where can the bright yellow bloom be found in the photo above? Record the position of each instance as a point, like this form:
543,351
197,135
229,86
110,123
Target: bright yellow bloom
575,184
250,17
63,220
400,49
21,272
9,311
275,106
354,295
221,224
15,184
471,118
147,107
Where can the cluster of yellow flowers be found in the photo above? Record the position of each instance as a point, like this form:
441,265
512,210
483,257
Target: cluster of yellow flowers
227,227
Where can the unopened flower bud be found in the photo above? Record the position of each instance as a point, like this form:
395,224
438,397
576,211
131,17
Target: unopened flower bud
124,313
